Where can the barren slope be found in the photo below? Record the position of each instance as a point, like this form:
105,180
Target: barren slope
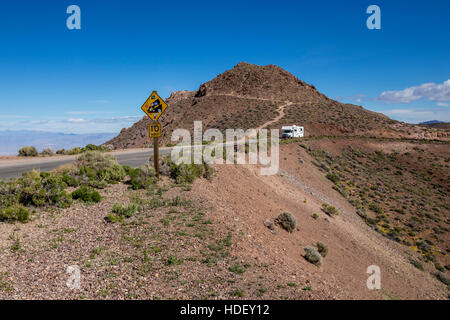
210,241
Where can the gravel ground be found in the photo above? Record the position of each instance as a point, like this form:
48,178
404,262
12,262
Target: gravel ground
207,241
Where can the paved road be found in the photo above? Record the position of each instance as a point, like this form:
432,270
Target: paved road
133,159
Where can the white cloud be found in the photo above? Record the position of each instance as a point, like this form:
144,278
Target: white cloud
429,91
416,116
442,104
71,125
357,98
89,112
118,119
76,120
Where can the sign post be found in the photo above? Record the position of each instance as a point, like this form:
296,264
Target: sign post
154,107
156,156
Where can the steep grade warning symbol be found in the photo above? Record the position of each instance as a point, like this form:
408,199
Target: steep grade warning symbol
154,106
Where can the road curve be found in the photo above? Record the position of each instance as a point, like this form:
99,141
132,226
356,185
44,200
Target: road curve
13,169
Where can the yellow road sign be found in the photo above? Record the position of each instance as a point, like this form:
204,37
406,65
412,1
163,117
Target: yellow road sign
154,130
154,106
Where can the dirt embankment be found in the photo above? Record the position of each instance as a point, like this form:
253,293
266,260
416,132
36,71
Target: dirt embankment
353,246
209,241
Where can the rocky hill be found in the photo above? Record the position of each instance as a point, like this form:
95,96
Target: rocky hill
251,96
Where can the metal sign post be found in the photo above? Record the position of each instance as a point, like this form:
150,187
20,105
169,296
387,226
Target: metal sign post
154,107
156,156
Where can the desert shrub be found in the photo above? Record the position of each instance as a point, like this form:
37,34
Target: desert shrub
209,172
287,221
125,210
14,212
439,267
322,248
7,195
164,166
236,268
173,260
155,203
237,293
423,246
35,189
47,152
86,194
73,151
329,209
92,147
332,177
95,160
54,187
114,218
114,174
127,169
186,172
70,180
120,211
442,278
40,189
376,207
61,151
98,169
141,178
28,152
313,256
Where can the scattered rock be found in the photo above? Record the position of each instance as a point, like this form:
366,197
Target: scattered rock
313,256
287,221
269,225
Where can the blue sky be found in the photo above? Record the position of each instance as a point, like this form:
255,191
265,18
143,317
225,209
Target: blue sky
95,79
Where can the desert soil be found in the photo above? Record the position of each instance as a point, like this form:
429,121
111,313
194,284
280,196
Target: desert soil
210,242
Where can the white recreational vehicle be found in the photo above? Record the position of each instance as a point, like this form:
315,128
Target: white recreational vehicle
292,131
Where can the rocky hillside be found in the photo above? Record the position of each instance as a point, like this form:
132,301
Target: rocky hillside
251,96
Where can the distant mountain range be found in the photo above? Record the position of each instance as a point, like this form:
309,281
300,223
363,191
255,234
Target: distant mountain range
12,141
435,124
432,122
